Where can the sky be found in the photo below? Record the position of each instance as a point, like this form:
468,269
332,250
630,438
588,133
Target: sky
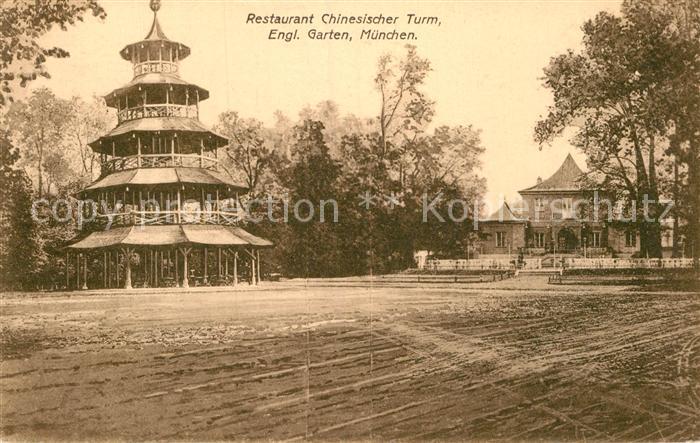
486,56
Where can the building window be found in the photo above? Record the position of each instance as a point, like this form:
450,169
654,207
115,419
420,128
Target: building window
562,208
595,239
539,204
567,210
539,239
667,239
500,239
630,239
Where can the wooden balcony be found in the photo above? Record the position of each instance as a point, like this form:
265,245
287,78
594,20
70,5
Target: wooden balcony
159,161
184,217
159,110
161,66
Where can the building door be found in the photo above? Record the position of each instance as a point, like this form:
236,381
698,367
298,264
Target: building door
566,240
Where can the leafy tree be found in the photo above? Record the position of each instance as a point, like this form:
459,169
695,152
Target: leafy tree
281,135
676,24
57,170
404,108
611,92
335,125
445,164
38,126
450,155
391,158
22,58
21,253
312,177
87,122
248,151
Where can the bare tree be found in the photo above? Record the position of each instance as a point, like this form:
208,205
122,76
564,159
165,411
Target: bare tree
37,127
404,109
248,150
88,121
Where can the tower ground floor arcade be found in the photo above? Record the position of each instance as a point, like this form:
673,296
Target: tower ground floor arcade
165,256
182,266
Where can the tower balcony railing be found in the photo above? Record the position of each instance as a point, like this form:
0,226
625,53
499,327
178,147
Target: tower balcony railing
159,110
176,217
117,164
163,66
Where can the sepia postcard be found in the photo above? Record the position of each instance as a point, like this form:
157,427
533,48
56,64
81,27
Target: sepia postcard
349,220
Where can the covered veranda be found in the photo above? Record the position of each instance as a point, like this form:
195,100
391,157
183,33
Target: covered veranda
165,256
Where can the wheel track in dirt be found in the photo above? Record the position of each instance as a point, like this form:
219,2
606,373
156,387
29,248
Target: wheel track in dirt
447,363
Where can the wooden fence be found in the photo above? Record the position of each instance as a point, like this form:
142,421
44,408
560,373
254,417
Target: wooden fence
568,263
628,263
465,265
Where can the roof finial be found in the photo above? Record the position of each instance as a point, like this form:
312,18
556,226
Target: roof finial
155,5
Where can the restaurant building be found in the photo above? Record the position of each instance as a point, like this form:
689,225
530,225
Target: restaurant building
555,217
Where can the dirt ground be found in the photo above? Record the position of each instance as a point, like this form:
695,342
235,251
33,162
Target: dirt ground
329,361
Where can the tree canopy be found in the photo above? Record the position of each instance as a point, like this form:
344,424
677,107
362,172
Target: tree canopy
621,94
22,58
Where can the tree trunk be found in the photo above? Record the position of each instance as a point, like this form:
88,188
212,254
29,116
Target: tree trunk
676,252
654,239
649,231
654,226
39,170
642,239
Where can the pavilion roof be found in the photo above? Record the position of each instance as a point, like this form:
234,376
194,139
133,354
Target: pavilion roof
151,124
564,179
152,78
155,35
154,176
166,235
503,214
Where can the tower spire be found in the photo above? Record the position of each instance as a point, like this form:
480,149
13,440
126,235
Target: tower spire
156,33
156,46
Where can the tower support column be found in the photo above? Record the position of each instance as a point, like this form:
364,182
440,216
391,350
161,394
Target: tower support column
144,266
257,260
109,268
235,268
185,271
85,266
177,270
201,152
253,265
67,274
104,269
218,262
127,267
252,277
116,266
206,265
226,253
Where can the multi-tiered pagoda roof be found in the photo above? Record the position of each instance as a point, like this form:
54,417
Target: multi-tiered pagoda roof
162,193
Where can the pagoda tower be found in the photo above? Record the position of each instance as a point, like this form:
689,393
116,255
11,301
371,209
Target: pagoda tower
168,212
